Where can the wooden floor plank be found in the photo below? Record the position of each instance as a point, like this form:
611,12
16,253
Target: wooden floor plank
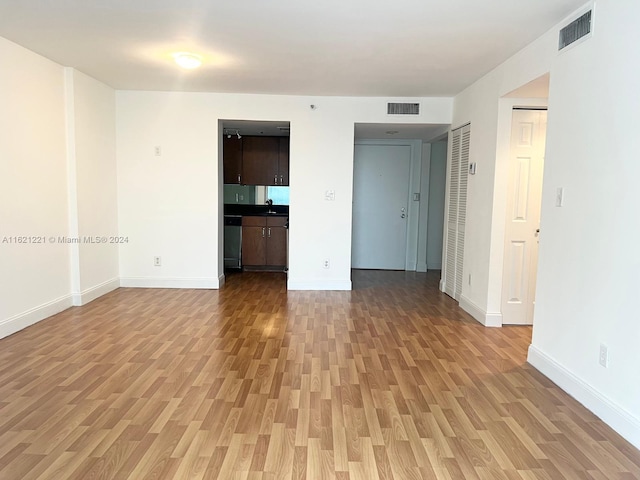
391,380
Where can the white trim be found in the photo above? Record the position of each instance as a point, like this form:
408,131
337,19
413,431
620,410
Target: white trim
434,266
608,411
72,179
155,282
441,285
314,284
422,267
90,294
486,319
25,319
221,281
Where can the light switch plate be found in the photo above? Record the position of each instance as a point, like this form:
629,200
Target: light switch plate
330,195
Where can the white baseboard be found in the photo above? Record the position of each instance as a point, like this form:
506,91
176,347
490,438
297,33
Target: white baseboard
318,284
422,267
16,323
90,294
155,282
434,266
486,319
612,414
221,281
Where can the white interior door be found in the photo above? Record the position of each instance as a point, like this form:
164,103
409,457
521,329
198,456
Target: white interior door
526,162
380,206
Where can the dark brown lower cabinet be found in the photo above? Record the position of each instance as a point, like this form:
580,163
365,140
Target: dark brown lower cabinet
264,242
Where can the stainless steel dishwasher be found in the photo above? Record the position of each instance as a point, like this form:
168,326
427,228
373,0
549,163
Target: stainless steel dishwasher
233,241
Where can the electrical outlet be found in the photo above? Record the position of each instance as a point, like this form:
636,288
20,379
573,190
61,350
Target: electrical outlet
157,261
604,355
469,279
157,150
559,197
326,263
330,195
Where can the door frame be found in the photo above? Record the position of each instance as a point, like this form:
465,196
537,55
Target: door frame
493,317
413,209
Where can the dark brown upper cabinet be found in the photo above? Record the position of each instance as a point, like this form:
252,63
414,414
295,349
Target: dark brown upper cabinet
260,160
232,160
283,161
254,160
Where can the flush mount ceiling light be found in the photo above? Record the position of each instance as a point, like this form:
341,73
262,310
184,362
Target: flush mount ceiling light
187,60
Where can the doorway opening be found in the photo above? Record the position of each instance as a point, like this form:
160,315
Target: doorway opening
392,204
525,169
255,195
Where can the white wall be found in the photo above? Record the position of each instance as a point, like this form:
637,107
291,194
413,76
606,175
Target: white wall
57,182
92,184
589,259
435,225
170,205
480,104
34,278
588,264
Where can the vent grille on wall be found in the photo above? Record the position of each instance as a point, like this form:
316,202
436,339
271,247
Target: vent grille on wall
403,108
577,29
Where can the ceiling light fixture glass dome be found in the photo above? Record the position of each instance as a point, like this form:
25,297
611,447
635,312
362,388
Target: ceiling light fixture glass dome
187,60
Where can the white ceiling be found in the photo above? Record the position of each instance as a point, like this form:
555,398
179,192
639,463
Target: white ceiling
334,47
537,88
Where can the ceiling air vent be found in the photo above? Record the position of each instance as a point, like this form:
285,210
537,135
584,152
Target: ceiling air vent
403,108
577,29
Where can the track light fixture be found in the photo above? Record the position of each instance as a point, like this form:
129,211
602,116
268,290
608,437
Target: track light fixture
229,133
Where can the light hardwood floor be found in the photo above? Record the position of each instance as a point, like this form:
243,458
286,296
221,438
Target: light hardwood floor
390,380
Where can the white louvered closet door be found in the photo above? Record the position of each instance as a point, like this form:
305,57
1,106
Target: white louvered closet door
457,211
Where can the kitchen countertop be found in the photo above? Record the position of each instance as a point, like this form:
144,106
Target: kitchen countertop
264,214
256,210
